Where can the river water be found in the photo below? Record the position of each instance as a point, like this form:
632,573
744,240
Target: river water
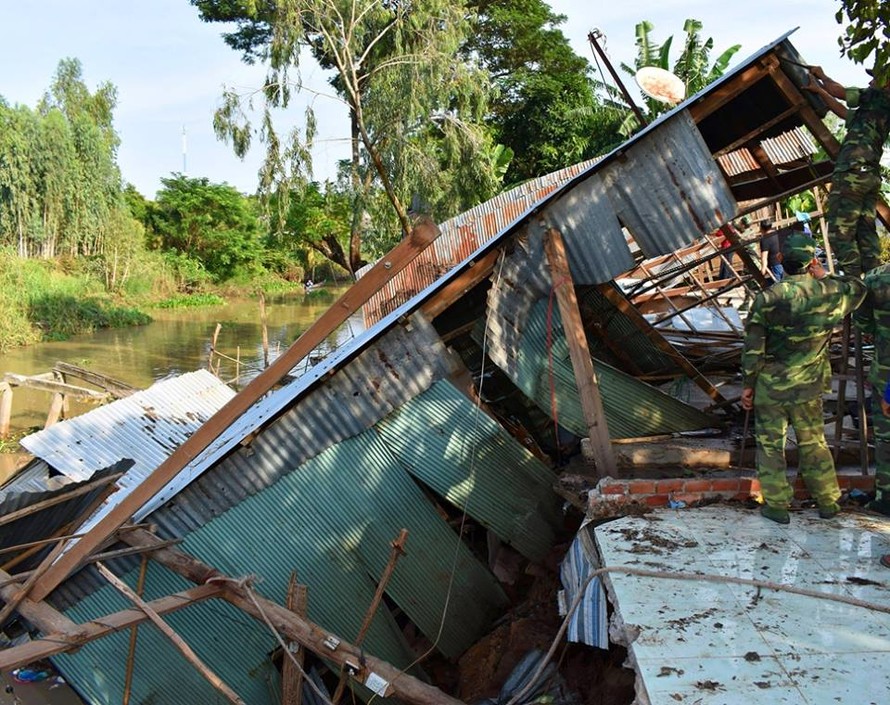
177,341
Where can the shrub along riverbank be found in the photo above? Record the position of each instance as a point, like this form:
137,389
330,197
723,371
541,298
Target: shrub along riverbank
42,300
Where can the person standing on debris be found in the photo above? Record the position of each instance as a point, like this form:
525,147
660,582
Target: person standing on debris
856,180
785,371
770,262
877,282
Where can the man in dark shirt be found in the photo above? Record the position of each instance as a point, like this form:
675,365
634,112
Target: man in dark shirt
770,262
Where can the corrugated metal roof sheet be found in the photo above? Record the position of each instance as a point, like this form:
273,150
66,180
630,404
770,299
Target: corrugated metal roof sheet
667,190
516,342
331,520
633,408
146,426
463,455
790,146
461,236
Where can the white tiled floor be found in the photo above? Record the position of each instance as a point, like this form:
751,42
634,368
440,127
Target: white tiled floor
712,643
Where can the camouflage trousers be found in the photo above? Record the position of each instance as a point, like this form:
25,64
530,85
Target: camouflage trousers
816,465
881,427
851,221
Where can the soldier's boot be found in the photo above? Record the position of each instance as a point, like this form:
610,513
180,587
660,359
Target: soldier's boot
880,505
776,514
827,511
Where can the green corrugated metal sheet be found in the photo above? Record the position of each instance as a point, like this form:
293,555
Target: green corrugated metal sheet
470,460
621,332
331,520
633,408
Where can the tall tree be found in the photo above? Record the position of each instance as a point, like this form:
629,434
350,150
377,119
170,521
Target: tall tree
212,223
867,32
415,112
544,108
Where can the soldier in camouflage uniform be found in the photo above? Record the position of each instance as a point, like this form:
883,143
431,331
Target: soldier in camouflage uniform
785,372
877,281
856,181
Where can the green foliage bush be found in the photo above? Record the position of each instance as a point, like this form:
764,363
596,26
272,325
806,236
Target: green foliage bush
190,301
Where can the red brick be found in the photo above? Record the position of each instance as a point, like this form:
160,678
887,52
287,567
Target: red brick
641,487
860,482
656,500
725,484
614,488
751,484
674,485
698,486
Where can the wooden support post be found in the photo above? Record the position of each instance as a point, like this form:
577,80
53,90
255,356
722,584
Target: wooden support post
213,350
292,662
174,638
389,680
134,635
823,226
388,267
5,408
460,285
264,323
64,636
582,363
398,550
616,298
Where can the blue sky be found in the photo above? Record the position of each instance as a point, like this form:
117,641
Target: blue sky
170,68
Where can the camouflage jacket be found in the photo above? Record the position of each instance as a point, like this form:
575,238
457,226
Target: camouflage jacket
787,332
867,129
877,281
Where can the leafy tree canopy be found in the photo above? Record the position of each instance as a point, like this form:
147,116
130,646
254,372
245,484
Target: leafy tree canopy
867,33
212,223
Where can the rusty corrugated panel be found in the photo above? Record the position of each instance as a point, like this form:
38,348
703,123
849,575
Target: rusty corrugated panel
790,146
462,235
738,162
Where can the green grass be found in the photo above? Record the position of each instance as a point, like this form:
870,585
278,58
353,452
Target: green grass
40,301
190,301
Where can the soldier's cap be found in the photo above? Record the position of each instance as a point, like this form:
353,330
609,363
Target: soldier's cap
798,248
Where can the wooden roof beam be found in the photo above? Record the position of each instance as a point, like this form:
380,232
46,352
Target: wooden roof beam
722,95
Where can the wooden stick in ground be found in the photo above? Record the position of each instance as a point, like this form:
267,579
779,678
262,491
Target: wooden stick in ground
292,673
167,631
363,290
265,330
398,550
134,634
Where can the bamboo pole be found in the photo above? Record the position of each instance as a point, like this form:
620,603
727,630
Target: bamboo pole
398,550
174,638
265,330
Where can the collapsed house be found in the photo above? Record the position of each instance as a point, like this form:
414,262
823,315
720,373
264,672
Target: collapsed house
446,417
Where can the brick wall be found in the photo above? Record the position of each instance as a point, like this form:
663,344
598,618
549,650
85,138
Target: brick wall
610,494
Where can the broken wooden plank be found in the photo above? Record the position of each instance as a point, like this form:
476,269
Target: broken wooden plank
350,302
54,387
476,271
40,614
582,362
114,386
178,642
398,550
60,499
